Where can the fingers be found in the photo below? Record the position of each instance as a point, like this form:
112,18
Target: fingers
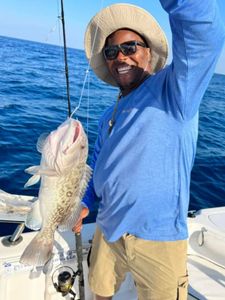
84,212
78,226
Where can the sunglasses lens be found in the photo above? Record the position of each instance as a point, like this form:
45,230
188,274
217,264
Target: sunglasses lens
111,52
128,49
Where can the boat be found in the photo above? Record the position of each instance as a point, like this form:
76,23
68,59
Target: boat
59,279
62,277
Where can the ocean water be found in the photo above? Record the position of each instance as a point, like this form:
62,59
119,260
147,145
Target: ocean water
33,100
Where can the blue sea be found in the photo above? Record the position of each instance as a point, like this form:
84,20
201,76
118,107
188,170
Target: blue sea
33,100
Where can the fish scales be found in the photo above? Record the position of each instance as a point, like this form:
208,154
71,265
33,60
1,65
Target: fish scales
67,191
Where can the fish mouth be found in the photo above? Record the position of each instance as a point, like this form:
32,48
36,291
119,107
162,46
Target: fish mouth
77,132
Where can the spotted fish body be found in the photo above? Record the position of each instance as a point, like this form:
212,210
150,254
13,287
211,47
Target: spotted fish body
64,176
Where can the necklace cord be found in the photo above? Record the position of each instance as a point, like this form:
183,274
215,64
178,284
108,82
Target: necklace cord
112,120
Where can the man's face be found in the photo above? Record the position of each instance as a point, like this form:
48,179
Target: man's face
128,71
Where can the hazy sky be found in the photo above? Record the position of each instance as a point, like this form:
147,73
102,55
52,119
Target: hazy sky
37,20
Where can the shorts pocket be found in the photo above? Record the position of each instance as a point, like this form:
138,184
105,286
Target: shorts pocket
182,288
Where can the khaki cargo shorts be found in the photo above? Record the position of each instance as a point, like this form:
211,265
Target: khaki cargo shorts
158,268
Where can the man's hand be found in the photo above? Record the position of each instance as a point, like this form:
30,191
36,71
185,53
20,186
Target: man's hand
78,226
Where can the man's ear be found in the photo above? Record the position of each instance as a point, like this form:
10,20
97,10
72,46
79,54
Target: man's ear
149,54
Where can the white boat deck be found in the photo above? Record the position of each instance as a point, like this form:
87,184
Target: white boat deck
206,263
206,254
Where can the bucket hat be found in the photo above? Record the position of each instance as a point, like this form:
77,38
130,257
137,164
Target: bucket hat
118,16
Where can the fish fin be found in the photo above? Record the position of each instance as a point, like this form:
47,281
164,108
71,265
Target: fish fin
73,217
33,180
85,179
48,172
34,219
37,170
41,141
38,251
48,267
33,170
88,171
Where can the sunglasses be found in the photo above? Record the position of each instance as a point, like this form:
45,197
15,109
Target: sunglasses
127,48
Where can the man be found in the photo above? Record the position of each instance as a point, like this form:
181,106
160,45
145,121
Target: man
146,144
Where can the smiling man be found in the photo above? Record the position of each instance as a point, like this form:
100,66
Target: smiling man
128,59
146,144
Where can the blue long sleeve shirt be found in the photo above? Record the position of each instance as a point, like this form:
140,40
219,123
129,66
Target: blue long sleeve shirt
142,169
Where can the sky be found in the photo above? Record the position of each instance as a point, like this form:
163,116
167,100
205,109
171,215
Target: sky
37,20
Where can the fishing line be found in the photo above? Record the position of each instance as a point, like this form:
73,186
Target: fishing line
58,23
52,29
87,75
88,103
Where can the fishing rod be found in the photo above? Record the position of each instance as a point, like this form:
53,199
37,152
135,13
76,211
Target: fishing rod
78,238
65,59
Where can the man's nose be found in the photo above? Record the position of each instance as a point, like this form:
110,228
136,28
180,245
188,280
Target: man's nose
121,56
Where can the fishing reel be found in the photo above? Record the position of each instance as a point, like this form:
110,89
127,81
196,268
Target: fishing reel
63,279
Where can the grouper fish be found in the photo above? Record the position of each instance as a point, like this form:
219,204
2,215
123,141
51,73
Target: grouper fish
64,176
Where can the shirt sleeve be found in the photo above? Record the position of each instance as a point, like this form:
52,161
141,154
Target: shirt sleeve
197,39
90,196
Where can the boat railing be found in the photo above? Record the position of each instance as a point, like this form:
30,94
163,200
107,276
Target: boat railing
16,237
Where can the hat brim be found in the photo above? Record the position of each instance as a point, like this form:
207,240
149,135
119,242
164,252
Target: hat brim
117,16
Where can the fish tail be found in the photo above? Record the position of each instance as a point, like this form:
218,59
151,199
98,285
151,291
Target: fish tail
39,251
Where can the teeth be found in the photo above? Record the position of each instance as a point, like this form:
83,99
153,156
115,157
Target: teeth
123,70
